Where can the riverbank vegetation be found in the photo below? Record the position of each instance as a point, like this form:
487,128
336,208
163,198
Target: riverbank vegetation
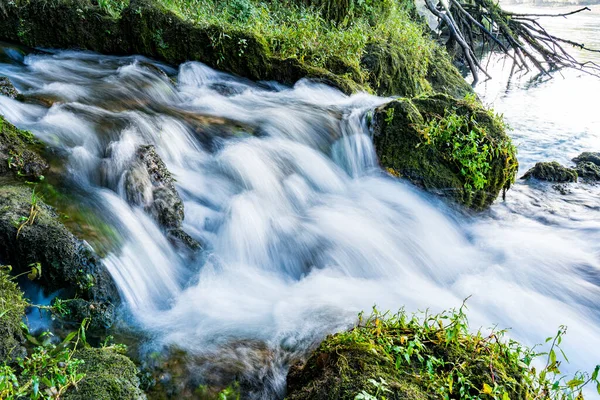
424,356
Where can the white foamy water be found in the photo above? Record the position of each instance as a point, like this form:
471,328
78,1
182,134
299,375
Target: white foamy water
301,229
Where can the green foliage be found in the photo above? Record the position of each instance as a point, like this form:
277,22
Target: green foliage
441,355
48,371
466,143
298,30
113,7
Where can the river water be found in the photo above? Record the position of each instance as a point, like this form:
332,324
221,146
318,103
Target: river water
301,230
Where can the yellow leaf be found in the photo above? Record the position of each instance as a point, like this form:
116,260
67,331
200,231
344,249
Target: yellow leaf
487,389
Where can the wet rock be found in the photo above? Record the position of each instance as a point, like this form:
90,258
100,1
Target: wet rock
7,88
19,152
343,372
406,149
12,311
109,375
587,156
588,170
31,233
150,184
100,314
551,172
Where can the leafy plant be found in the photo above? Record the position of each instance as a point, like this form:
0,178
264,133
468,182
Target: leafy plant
48,371
441,355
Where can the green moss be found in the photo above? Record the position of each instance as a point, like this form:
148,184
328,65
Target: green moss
109,375
551,172
19,152
378,46
429,357
451,147
12,311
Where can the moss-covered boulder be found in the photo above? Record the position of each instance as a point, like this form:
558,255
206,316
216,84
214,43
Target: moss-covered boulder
551,172
109,375
344,370
12,311
588,171
31,233
404,357
19,152
455,148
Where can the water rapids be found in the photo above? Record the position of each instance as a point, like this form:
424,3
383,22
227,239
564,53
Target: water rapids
301,229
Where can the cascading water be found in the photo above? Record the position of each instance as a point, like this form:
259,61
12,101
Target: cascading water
301,230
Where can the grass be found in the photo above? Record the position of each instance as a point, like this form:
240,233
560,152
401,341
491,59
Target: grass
441,355
295,29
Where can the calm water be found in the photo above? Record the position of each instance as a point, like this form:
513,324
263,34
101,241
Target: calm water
301,229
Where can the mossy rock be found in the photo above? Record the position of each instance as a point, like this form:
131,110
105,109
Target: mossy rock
109,375
342,371
403,147
12,311
19,152
588,156
418,357
551,172
30,233
588,170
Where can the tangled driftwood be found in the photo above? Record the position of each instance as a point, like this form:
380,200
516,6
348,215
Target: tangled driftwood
521,37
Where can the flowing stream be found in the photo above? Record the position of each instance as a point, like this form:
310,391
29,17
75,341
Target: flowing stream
301,229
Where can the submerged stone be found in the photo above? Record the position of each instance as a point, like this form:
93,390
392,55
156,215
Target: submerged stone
551,172
7,88
451,147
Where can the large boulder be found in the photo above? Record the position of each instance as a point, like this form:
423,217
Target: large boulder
31,233
19,152
551,172
12,311
455,148
109,375
149,183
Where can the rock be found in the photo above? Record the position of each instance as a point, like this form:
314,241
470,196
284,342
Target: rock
342,372
31,233
12,311
100,314
109,375
588,157
404,144
551,172
7,88
19,152
588,170
149,183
